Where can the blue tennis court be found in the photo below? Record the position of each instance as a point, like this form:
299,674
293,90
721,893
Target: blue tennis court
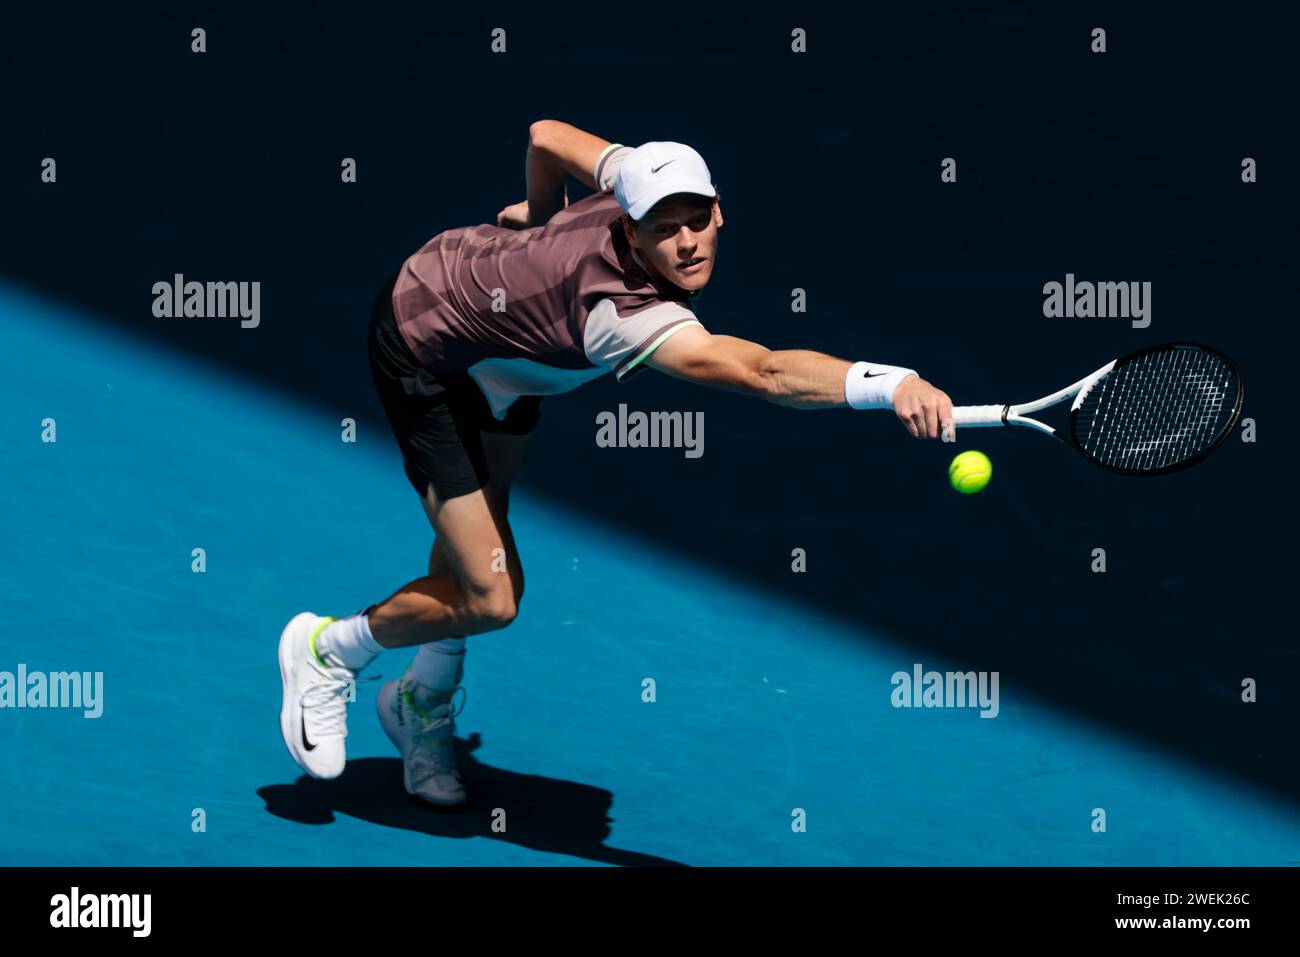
769,708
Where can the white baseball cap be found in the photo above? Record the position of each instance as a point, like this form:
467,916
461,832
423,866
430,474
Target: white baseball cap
655,170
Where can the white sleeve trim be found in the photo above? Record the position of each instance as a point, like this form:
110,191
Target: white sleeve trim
607,166
636,366
611,340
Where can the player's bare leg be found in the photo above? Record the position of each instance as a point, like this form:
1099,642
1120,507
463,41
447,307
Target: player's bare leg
475,593
418,711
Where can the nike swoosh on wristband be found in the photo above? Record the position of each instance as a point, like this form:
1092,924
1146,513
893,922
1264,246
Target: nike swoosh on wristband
872,375
306,743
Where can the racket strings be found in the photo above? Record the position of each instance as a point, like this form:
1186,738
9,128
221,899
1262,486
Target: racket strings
1157,410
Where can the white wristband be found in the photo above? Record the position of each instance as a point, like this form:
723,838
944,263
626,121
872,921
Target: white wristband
869,385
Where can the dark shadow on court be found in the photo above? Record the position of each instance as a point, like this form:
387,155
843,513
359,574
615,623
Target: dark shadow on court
541,814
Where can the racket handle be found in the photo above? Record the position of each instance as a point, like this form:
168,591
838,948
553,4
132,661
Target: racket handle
968,416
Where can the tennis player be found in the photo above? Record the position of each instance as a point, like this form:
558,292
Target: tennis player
464,340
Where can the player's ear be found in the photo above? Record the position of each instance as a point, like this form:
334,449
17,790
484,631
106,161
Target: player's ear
629,231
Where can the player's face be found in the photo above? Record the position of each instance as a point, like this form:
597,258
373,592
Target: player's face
679,240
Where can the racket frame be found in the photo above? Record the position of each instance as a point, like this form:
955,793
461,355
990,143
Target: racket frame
994,416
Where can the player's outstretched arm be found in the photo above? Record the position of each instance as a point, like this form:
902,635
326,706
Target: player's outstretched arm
802,379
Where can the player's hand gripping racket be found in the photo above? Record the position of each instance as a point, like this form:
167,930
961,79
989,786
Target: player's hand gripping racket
1147,413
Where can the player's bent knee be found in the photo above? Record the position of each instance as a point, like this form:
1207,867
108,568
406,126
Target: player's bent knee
494,611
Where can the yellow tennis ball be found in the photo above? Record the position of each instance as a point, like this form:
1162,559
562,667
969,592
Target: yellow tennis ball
970,471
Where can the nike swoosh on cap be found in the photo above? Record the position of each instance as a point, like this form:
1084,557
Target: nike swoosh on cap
655,169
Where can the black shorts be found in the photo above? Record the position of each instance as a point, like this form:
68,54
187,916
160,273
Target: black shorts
438,418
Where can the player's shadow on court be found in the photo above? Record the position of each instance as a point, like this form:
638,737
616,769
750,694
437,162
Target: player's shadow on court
544,814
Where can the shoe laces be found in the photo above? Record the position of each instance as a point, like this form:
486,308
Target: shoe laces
325,700
434,751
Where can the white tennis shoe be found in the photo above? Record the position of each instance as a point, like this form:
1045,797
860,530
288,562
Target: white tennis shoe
425,739
314,712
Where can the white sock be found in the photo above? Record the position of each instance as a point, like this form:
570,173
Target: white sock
437,670
348,642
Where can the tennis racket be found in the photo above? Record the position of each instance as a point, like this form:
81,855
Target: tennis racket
1150,412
